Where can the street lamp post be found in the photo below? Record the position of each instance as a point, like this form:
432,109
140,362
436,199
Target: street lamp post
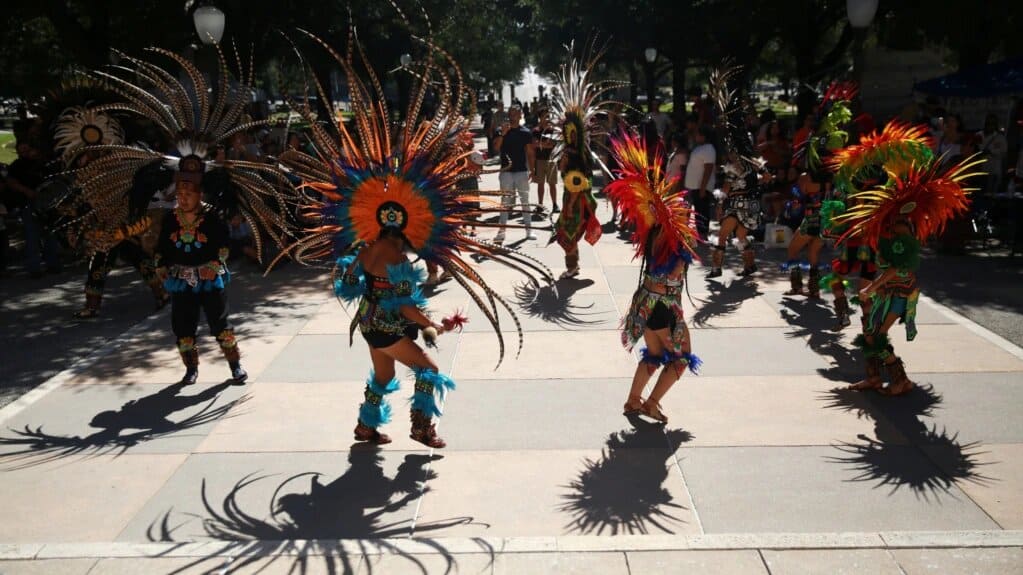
209,24
861,14
650,56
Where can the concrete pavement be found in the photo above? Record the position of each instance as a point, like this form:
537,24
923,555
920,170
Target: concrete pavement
767,465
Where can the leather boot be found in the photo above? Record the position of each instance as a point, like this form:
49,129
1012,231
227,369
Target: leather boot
424,430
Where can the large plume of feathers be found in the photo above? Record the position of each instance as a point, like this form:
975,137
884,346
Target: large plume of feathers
648,199
184,111
579,102
79,127
925,195
880,155
831,116
356,169
731,114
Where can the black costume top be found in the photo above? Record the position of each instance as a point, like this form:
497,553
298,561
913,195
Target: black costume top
185,248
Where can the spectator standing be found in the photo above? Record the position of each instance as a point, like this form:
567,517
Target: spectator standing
776,151
949,143
661,120
518,154
24,176
699,179
678,158
994,146
497,120
546,172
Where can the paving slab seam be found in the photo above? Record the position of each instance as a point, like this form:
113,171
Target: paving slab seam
429,465
976,328
495,545
43,389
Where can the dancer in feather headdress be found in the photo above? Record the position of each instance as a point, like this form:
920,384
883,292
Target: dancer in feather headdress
858,167
192,242
575,108
914,200
377,193
814,182
84,135
744,174
665,239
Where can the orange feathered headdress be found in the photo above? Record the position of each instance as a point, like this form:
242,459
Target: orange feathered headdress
924,195
647,199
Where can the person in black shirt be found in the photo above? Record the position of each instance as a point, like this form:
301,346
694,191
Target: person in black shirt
191,256
517,160
24,177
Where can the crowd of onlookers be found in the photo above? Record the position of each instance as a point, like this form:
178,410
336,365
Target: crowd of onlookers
693,148
692,153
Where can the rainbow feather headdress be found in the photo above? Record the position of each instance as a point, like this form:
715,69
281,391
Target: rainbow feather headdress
363,179
832,115
911,186
648,199
185,116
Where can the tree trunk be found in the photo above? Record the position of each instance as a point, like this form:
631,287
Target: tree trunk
678,89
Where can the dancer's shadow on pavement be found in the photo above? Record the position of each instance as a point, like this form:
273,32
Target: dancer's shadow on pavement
623,492
813,319
553,303
929,464
149,417
724,301
307,525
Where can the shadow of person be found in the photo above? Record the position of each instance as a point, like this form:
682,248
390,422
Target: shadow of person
811,320
310,523
623,492
724,301
149,416
553,303
906,452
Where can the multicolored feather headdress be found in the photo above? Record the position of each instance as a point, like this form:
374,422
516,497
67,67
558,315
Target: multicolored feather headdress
832,115
880,155
648,200
192,120
374,176
924,195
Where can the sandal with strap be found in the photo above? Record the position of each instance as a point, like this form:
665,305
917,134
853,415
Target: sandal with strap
652,409
633,405
367,433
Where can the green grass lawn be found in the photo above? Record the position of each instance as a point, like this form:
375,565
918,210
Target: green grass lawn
7,152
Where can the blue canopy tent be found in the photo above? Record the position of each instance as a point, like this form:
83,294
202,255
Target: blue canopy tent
1000,78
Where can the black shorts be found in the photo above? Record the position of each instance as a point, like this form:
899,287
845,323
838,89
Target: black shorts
380,339
660,318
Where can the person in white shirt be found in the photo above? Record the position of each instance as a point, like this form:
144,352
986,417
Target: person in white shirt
699,179
661,120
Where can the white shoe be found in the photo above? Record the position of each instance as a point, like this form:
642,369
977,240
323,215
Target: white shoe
569,273
530,236
499,239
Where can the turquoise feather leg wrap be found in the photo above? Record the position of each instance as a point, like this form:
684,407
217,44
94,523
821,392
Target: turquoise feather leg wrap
430,386
376,411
